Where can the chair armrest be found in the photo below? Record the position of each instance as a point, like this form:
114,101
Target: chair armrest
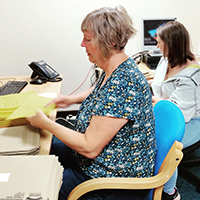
167,169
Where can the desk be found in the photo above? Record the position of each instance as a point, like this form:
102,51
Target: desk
144,68
54,87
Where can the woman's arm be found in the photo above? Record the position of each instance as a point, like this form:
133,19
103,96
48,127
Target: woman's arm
150,82
156,99
62,101
100,131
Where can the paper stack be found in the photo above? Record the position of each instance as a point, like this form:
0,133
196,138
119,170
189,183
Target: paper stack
19,140
30,177
14,108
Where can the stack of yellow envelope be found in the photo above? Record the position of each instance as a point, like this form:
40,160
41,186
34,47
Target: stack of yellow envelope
14,108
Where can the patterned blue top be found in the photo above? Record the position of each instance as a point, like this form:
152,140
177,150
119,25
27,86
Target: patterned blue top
131,152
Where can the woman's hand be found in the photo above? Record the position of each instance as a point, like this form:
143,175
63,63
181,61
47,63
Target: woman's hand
39,120
150,82
61,101
156,99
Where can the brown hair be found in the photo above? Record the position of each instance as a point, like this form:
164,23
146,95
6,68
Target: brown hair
111,28
177,40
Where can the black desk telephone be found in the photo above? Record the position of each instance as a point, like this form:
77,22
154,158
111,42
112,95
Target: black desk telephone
42,73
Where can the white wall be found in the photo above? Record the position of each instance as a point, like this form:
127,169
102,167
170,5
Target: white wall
31,30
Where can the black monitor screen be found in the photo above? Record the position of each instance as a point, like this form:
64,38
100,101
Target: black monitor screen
150,27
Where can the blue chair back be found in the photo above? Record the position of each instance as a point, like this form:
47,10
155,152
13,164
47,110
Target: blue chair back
169,126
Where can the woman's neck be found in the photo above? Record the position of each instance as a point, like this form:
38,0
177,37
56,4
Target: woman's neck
173,71
112,63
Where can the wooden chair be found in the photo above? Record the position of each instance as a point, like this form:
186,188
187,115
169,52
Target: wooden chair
170,126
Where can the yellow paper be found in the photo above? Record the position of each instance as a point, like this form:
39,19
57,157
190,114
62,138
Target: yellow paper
16,107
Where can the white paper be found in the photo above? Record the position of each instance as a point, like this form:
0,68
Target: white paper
4,177
48,94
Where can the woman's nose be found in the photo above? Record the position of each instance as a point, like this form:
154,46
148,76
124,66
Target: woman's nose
83,43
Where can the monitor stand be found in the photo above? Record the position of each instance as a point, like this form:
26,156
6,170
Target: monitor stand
155,52
152,60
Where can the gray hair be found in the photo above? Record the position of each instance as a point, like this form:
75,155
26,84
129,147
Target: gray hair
111,28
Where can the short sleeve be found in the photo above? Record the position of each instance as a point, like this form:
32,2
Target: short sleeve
124,95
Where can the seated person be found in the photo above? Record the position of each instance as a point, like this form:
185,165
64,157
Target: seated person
114,134
177,78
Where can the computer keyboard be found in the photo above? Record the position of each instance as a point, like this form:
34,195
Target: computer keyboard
12,87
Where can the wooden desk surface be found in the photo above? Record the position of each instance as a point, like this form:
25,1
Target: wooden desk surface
146,71
54,87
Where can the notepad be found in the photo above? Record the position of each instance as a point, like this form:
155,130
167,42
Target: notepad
14,108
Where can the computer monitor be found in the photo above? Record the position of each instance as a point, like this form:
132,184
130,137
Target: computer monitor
149,27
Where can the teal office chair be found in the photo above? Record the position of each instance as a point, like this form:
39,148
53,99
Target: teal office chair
170,127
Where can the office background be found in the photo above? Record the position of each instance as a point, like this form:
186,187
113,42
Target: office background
49,30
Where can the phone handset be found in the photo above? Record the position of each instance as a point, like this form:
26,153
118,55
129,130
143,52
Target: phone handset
42,72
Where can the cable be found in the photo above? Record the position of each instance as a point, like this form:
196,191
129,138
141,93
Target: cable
82,82
9,79
64,119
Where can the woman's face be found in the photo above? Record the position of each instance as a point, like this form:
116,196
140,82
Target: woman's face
161,45
92,51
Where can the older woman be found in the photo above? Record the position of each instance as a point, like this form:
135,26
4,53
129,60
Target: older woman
114,134
178,80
